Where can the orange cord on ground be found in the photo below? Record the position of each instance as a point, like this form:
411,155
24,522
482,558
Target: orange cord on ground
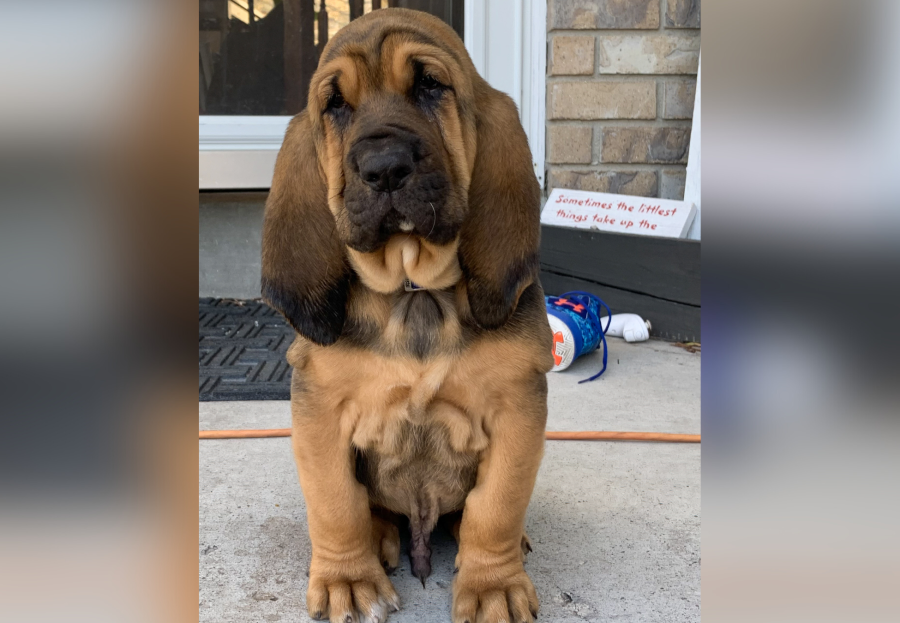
585,435
244,434
603,435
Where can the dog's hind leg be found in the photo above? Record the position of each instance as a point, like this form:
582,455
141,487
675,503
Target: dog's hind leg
526,546
386,539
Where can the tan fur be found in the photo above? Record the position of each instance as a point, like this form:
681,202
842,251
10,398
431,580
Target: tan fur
405,257
412,403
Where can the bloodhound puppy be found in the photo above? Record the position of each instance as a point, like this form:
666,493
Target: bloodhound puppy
401,242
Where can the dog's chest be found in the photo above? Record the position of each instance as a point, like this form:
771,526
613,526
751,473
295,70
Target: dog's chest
414,388
417,450
423,324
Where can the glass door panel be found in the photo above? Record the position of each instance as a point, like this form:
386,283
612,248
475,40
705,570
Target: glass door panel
257,56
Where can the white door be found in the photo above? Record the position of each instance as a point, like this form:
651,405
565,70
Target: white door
257,56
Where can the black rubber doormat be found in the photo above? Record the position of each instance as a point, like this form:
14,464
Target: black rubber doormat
242,351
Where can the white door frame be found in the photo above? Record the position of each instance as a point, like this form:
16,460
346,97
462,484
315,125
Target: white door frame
507,40
239,151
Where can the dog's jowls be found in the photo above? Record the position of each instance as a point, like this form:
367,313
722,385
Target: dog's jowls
407,165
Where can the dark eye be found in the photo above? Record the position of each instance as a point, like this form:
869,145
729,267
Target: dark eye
428,83
336,101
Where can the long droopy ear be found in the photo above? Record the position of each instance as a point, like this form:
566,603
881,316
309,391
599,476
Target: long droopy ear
499,241
305,274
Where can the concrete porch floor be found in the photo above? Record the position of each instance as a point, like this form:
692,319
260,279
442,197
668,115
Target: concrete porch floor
615,525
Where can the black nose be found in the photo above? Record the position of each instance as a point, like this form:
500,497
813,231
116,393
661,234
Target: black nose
386,169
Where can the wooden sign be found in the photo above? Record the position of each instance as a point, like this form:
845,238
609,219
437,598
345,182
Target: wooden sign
623,214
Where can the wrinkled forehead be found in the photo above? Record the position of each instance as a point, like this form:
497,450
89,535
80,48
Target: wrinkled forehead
367,61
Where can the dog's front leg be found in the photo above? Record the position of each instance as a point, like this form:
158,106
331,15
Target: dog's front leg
346,580
492,584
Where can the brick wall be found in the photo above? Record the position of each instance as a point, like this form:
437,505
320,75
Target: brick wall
621,77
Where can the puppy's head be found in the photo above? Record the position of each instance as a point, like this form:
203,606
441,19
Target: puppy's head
390,109
405,164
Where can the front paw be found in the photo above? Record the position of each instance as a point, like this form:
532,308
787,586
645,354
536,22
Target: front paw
501,593
350,591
